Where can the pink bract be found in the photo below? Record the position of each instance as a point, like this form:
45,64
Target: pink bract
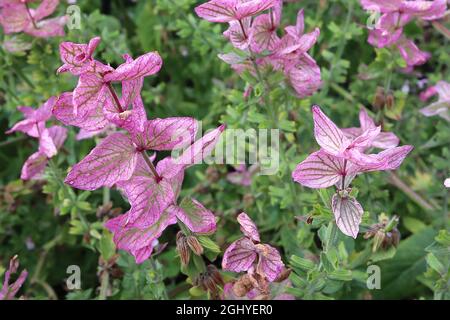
9,290
246,253
342,157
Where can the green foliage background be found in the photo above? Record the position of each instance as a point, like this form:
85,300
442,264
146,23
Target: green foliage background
51,226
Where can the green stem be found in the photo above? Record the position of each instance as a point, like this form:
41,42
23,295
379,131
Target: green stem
106,195
396,181
104,284
441,28
22,76
11,141
340,50
331,241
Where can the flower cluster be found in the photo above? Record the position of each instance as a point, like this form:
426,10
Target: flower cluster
342,156
8,291
17,16
50,139
121,158
255,34
262,262
388,30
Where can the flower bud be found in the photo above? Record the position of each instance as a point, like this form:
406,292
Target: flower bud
379,99
210,281
390,101
195,246
183,248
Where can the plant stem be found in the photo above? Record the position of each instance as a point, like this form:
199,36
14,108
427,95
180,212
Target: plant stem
114,95
331,241
396,181
106,195
104,284
441,28
30,16
151,166
11,141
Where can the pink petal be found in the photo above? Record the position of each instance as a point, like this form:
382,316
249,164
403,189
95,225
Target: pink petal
46,144
365,120
319,170
14,18
201,149
76,57
386,140
411,53
94,120
436,108
89,95
365,139
47,28
46,8
348,214
447,183
304,76
248,227
196,217
253,7
146,65
114,159
147,196
239,256
239,37
382,6
218,10
166,134
34,166
264,33
427,10
327,134
137,239
8,291
269,263
393,158
58,135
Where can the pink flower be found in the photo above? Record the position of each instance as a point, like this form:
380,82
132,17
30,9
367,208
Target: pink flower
341,157
248,252
232,10
8,291
50,139
384,140
17,16
440,107
287,54
153,199
447,183
243,175
94,104
396,14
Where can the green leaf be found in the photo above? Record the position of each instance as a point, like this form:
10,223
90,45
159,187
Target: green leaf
302,263
399,274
